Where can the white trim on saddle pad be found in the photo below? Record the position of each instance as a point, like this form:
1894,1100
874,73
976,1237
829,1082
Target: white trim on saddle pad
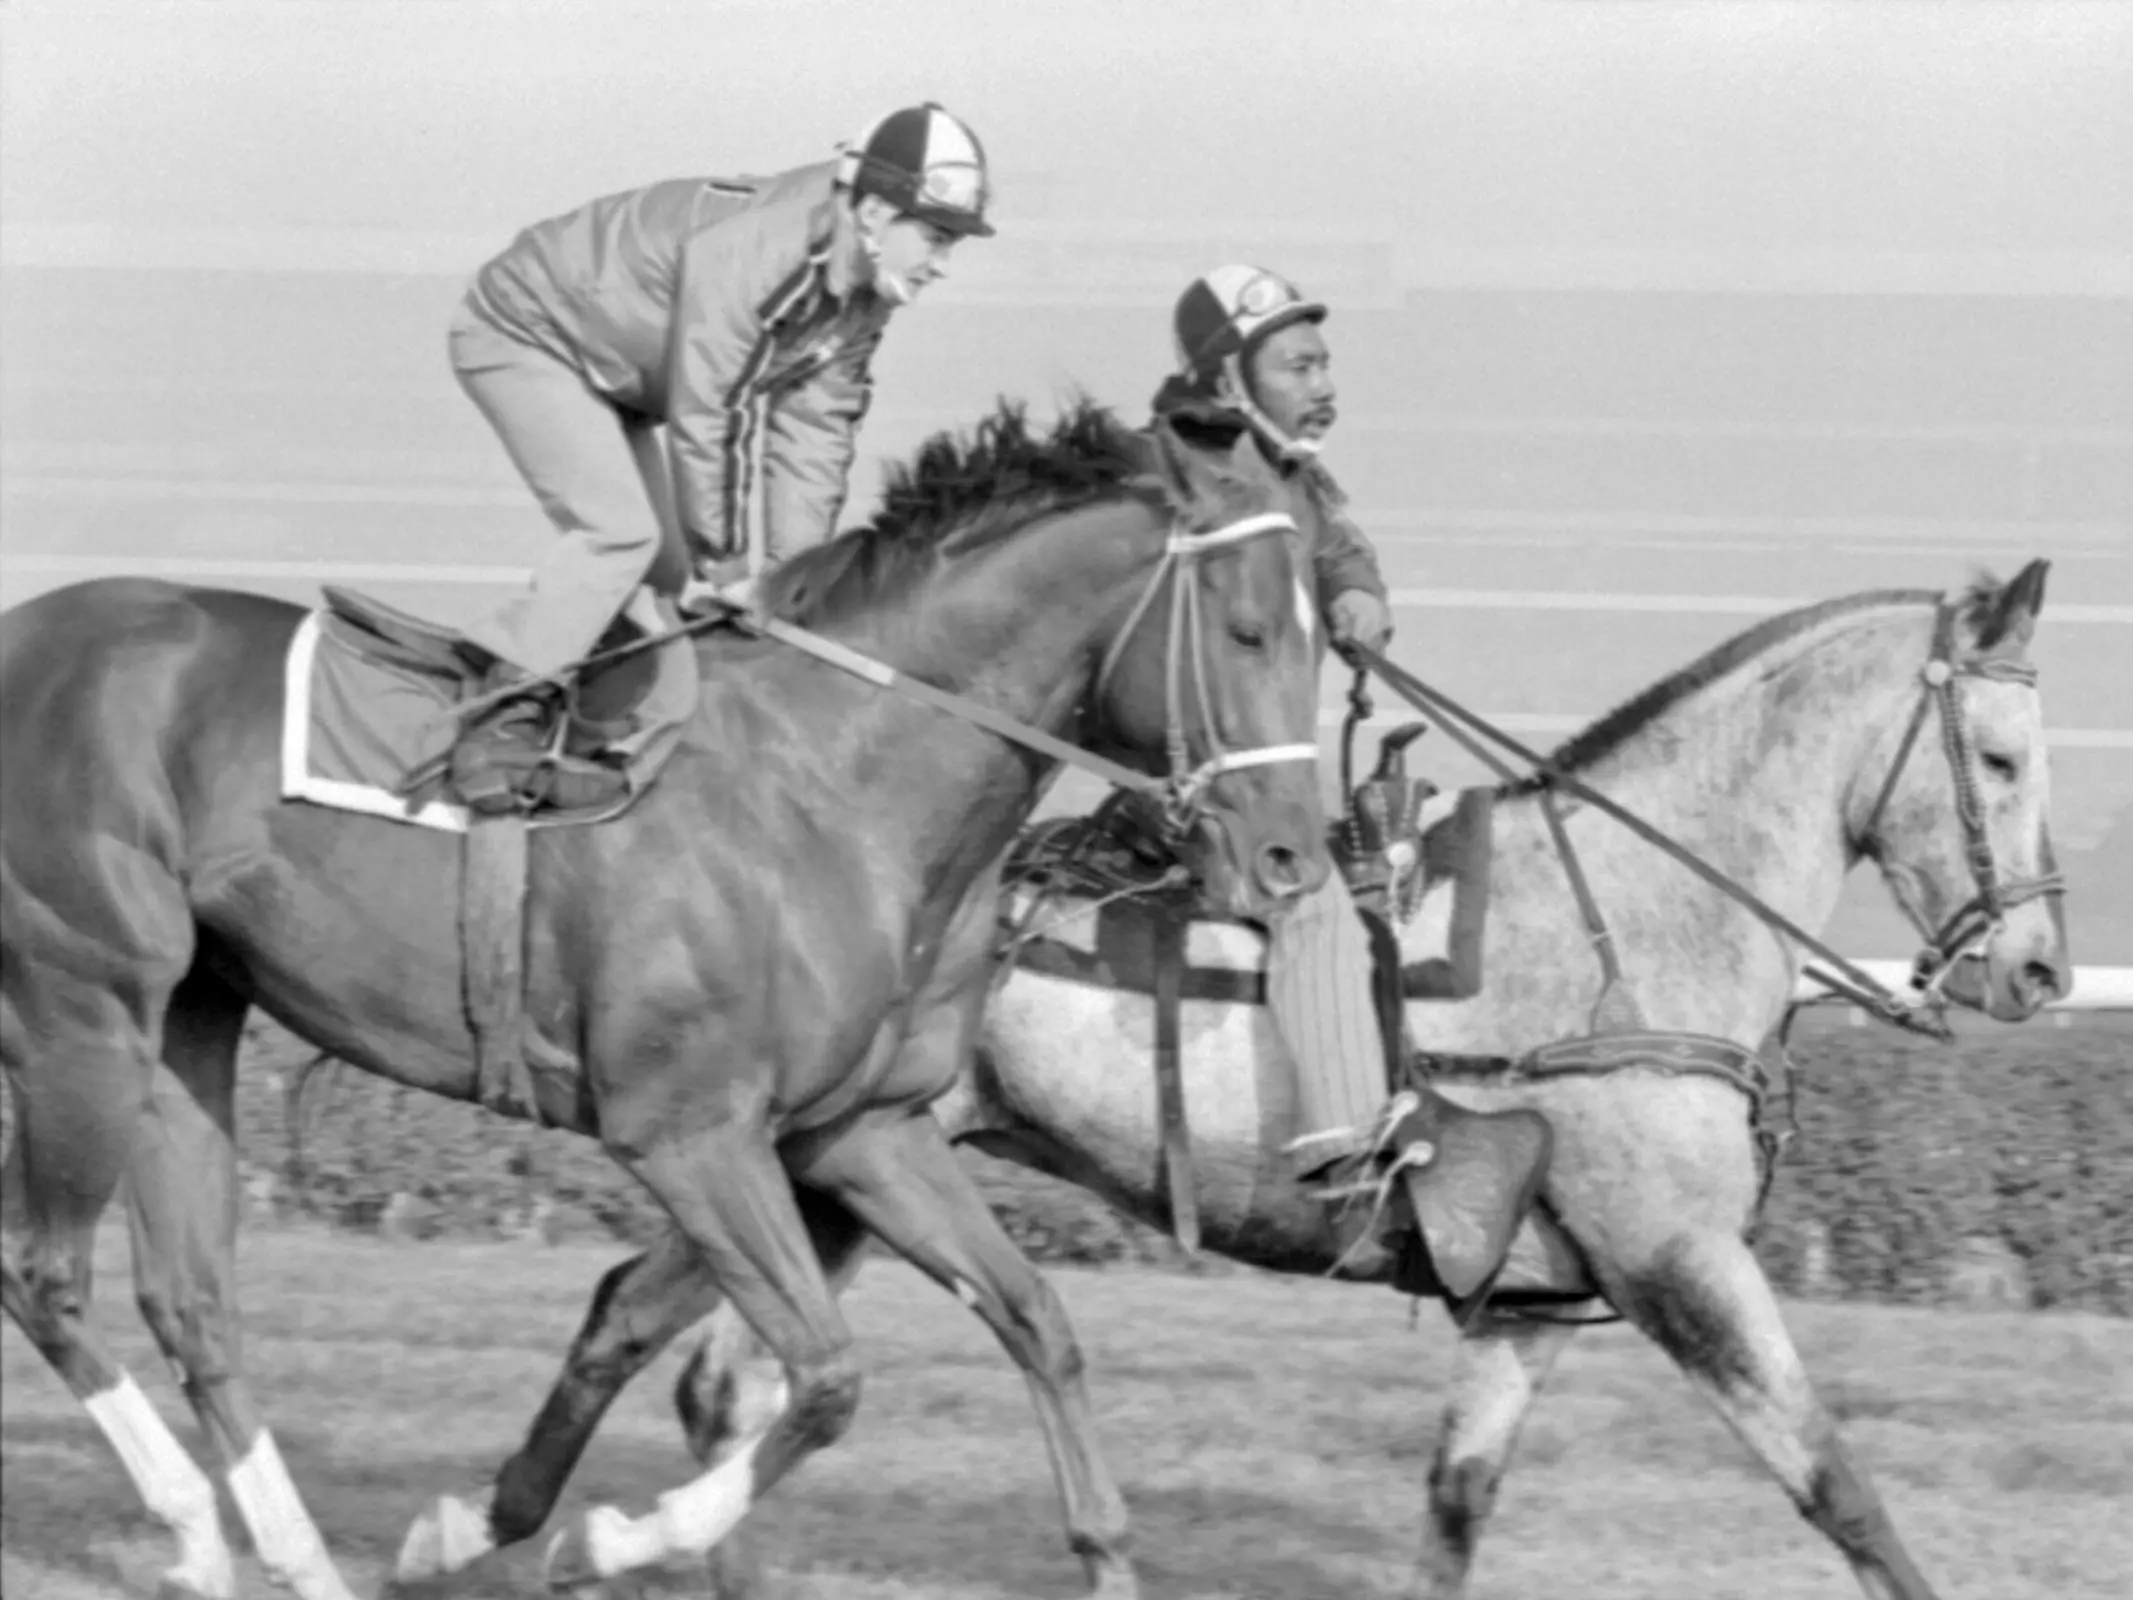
299,782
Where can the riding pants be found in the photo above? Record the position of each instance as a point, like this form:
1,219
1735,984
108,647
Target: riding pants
602,478
1318,987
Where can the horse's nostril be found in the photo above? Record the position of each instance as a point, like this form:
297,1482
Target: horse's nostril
1280,870
2041,978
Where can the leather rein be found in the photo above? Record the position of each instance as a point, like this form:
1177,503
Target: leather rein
1956,938
1182,792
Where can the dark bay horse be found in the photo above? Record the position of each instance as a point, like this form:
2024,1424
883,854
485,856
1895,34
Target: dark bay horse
758,976
1898,727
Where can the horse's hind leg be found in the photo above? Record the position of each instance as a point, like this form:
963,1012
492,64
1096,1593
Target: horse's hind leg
1502,1364
1704,1300
79,1091
183,1207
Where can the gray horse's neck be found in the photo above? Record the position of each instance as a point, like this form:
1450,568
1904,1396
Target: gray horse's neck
1756,773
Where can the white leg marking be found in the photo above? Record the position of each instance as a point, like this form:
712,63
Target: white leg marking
176,1492
287,1540
758,1403
450,1534
689,1521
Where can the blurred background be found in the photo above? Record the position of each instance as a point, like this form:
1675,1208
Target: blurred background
1650,319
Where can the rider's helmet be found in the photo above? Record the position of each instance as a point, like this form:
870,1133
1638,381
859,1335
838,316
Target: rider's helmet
924,162
1220,319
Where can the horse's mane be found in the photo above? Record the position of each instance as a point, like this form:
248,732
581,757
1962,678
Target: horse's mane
959,493
1975,608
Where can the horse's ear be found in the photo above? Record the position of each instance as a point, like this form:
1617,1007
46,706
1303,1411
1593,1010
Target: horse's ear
2012,622
1214,477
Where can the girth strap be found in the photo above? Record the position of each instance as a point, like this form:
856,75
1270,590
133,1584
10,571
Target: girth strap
1169,936
492,935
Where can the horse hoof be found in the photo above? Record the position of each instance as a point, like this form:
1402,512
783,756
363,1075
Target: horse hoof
450,1535
571,1562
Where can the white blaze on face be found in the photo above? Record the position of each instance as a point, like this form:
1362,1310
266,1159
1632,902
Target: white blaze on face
1306,612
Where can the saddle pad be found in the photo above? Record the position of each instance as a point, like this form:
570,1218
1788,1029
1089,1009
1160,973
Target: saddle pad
354,726
370,701
1112,943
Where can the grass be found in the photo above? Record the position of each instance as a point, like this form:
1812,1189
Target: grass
1272,1438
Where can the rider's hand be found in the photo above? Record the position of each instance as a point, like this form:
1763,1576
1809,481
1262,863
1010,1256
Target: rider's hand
1360,617
730,582
697,596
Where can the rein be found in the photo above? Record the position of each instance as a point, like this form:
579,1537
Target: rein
1182,792
1962,932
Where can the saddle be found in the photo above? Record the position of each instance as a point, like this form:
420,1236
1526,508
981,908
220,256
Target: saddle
589,718
1121,858
376,704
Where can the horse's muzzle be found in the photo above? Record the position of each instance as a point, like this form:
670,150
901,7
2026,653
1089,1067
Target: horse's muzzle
1285,875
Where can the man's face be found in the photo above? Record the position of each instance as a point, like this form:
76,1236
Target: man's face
1291,374
910,253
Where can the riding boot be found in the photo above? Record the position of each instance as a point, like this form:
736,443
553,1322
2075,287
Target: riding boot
1470,1177
505,762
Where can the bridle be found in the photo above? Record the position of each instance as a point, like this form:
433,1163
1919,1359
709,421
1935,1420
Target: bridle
1972,923
1186,788
1985,912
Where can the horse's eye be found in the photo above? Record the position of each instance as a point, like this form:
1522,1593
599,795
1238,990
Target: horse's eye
2002,767
1249,634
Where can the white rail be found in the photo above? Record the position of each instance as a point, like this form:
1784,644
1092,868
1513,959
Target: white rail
2095,988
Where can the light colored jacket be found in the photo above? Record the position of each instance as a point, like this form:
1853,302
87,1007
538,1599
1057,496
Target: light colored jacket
713,305
1342,556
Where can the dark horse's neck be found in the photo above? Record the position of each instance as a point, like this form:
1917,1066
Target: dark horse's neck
1019,624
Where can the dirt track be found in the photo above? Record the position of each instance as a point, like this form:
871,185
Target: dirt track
1272,1438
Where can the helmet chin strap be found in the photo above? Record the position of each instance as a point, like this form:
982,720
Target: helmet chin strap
1286,446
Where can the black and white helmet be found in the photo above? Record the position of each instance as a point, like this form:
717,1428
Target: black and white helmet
927,164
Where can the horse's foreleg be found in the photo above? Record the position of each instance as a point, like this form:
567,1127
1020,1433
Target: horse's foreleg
1501,1366
183,1213
636,1309
899,1175
728,1192
729,1392
1705,1301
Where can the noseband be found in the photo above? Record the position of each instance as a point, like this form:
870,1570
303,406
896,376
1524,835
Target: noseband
1185,795
1986,910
